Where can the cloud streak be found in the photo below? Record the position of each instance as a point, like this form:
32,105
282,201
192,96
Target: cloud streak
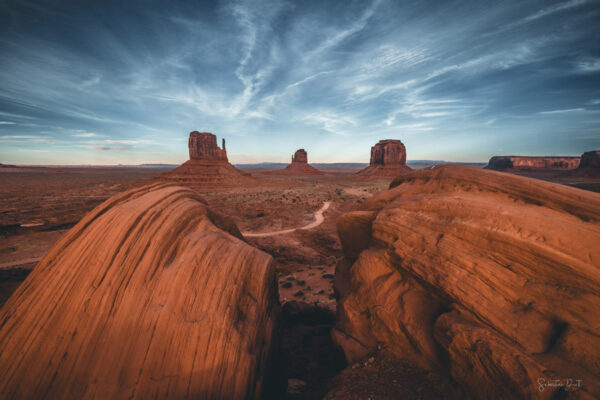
453,81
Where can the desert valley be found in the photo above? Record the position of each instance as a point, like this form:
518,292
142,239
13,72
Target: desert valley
300,200
444,281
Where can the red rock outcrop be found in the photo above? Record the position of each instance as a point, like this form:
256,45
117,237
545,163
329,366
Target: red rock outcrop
151,295
493,276
300,156
298,167
203,146
501,163
388,158
208,165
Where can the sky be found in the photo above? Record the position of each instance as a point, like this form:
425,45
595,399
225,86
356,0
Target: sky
124,82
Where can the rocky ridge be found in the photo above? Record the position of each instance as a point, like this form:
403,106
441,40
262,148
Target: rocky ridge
151,295
491,276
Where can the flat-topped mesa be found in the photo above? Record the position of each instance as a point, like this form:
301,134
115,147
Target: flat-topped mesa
501,163
388,158
300,156
388,152
203,146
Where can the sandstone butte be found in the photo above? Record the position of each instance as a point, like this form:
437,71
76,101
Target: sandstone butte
208,165
299,166
493,276
501,163
151,295
388,158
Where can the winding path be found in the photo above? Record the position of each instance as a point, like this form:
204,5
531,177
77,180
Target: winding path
318,221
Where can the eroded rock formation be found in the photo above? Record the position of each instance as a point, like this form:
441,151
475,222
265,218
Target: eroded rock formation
299,166
388,158
151,295
203,146
300,156
494,276
208,165
501,163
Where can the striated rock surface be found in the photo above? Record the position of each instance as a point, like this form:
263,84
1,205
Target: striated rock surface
298,167
203,146
388,158
208,166
491,276
501,163
151,295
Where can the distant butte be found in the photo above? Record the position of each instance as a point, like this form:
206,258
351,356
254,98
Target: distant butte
388,158
589,167
299,166
208,165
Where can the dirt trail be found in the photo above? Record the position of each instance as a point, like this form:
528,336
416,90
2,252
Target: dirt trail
318,221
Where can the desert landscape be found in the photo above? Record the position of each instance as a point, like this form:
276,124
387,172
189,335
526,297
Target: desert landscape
284,200
342,269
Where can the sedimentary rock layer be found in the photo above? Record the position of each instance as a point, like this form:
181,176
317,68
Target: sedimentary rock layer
501,163
151,295
203,146
388,158
494,276
207,166
203,173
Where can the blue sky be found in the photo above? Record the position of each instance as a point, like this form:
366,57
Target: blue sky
107,82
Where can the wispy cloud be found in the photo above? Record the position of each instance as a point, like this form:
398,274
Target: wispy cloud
566,111
436,74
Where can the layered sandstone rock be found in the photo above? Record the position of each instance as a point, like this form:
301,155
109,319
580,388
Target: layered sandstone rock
388,158
203,146
298,167
208,165
494,276
151,295
501,163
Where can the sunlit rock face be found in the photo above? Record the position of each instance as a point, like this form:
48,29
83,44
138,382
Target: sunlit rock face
151,295
501,163
388,152
203,146
388,158
493,276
